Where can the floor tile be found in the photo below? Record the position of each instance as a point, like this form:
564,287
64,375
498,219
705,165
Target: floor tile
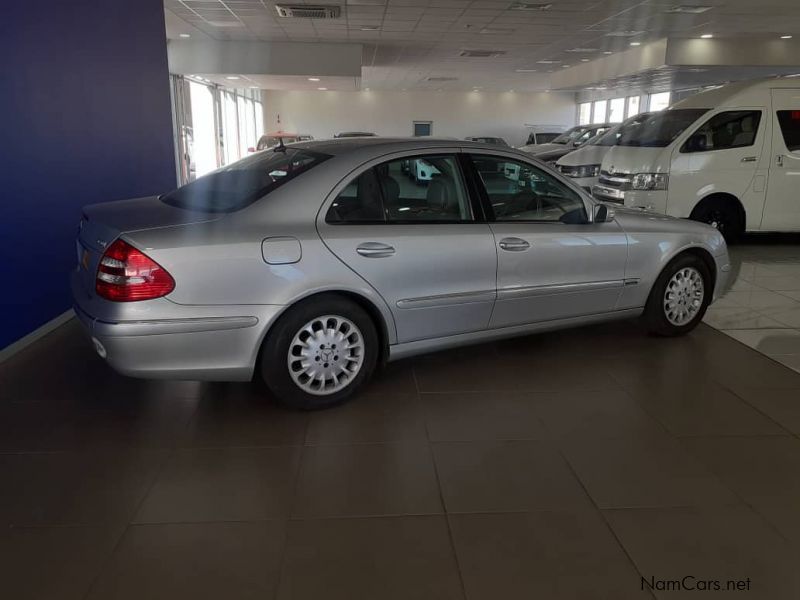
394,558
739,318
194,560
374,418
782,406
222,484
709,543
637,472
571,555
75,488
769,341
470,416
792,361
43,563
756,468
505,476
788,317
367,479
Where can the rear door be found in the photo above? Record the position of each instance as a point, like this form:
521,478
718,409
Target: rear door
782,208
552,264
421,243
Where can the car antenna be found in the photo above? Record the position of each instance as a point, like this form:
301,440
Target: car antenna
280,147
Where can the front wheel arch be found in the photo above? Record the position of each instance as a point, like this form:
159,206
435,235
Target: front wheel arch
726,202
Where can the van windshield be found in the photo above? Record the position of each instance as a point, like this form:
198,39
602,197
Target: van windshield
661,129
241,183
570,135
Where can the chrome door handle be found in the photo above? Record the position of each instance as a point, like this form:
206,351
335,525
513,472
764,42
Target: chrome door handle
513,244
375,250
779,160
750,159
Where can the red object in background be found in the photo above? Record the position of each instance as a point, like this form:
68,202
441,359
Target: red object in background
126,274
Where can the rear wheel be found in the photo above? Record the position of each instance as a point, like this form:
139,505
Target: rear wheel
722,214
319,353
679,298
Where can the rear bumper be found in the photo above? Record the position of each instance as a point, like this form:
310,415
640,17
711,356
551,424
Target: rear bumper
209,343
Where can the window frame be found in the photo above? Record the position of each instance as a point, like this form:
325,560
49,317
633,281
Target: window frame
486,202
781,132
475,206
685,150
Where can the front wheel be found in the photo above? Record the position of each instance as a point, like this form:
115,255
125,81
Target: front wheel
723,216
679,298
319,353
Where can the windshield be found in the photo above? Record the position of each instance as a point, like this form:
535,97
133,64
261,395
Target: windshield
610,137
241,183
661,129
570,135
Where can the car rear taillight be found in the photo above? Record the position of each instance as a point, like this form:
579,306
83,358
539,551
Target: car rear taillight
126,274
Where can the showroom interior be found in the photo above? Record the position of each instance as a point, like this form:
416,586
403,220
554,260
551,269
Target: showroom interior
574,458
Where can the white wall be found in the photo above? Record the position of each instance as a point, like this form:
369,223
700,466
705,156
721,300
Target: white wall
454,114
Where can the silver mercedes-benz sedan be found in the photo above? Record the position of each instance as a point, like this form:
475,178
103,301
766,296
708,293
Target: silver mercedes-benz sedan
310,265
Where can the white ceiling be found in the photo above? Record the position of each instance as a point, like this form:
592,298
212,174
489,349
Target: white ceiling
406,42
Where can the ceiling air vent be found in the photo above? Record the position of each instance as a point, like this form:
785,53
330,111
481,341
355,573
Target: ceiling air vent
308,11
688,9
481,53
531,6
625,33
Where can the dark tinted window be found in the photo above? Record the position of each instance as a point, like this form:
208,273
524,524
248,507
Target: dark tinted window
731,129
544,138
408,190
519,191
570,135
241,183
790,128
662,128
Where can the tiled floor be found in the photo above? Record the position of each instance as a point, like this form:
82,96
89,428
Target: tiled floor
762,308
567,465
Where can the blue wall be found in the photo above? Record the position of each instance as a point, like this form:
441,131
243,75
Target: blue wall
84,117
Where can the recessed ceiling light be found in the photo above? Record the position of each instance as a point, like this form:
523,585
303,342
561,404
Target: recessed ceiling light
322,89
313,78
636,43
584,60
707,36
366,89
608,52
370,28
582,50
786,37
548,62
525,70
689,9
232,77
564,66
531,6
185,35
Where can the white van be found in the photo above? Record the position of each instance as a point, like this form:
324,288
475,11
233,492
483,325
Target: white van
729,157
583,164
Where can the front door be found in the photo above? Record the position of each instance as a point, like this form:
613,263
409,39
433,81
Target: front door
417,242
782,209
552,264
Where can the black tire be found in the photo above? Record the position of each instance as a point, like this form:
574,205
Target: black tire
274,366
655,315
722,214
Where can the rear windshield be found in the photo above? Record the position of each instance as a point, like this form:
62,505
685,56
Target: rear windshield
241,183
661,129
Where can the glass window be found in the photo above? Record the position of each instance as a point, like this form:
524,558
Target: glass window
585,113
422,128
661,129
610,137
633,106
599,115
230,129
730,129
659,101
204,136
414,189
235,186
616,110
259,107
519,191
789,121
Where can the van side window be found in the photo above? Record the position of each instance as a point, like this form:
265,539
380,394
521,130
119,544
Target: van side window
789,121
730,129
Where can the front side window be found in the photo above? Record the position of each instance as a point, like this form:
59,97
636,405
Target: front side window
789,120
422,189
661,129
243,182
730,129
519,191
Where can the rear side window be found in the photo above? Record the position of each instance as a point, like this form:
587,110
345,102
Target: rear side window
423,189
730,129
789,121
241,183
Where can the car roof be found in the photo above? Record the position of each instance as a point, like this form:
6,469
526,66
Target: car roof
385,145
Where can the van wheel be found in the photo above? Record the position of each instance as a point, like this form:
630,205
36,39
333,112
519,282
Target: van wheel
319,353
721,214
679,298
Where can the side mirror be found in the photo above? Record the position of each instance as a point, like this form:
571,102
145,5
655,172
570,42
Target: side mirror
696,143
603,214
